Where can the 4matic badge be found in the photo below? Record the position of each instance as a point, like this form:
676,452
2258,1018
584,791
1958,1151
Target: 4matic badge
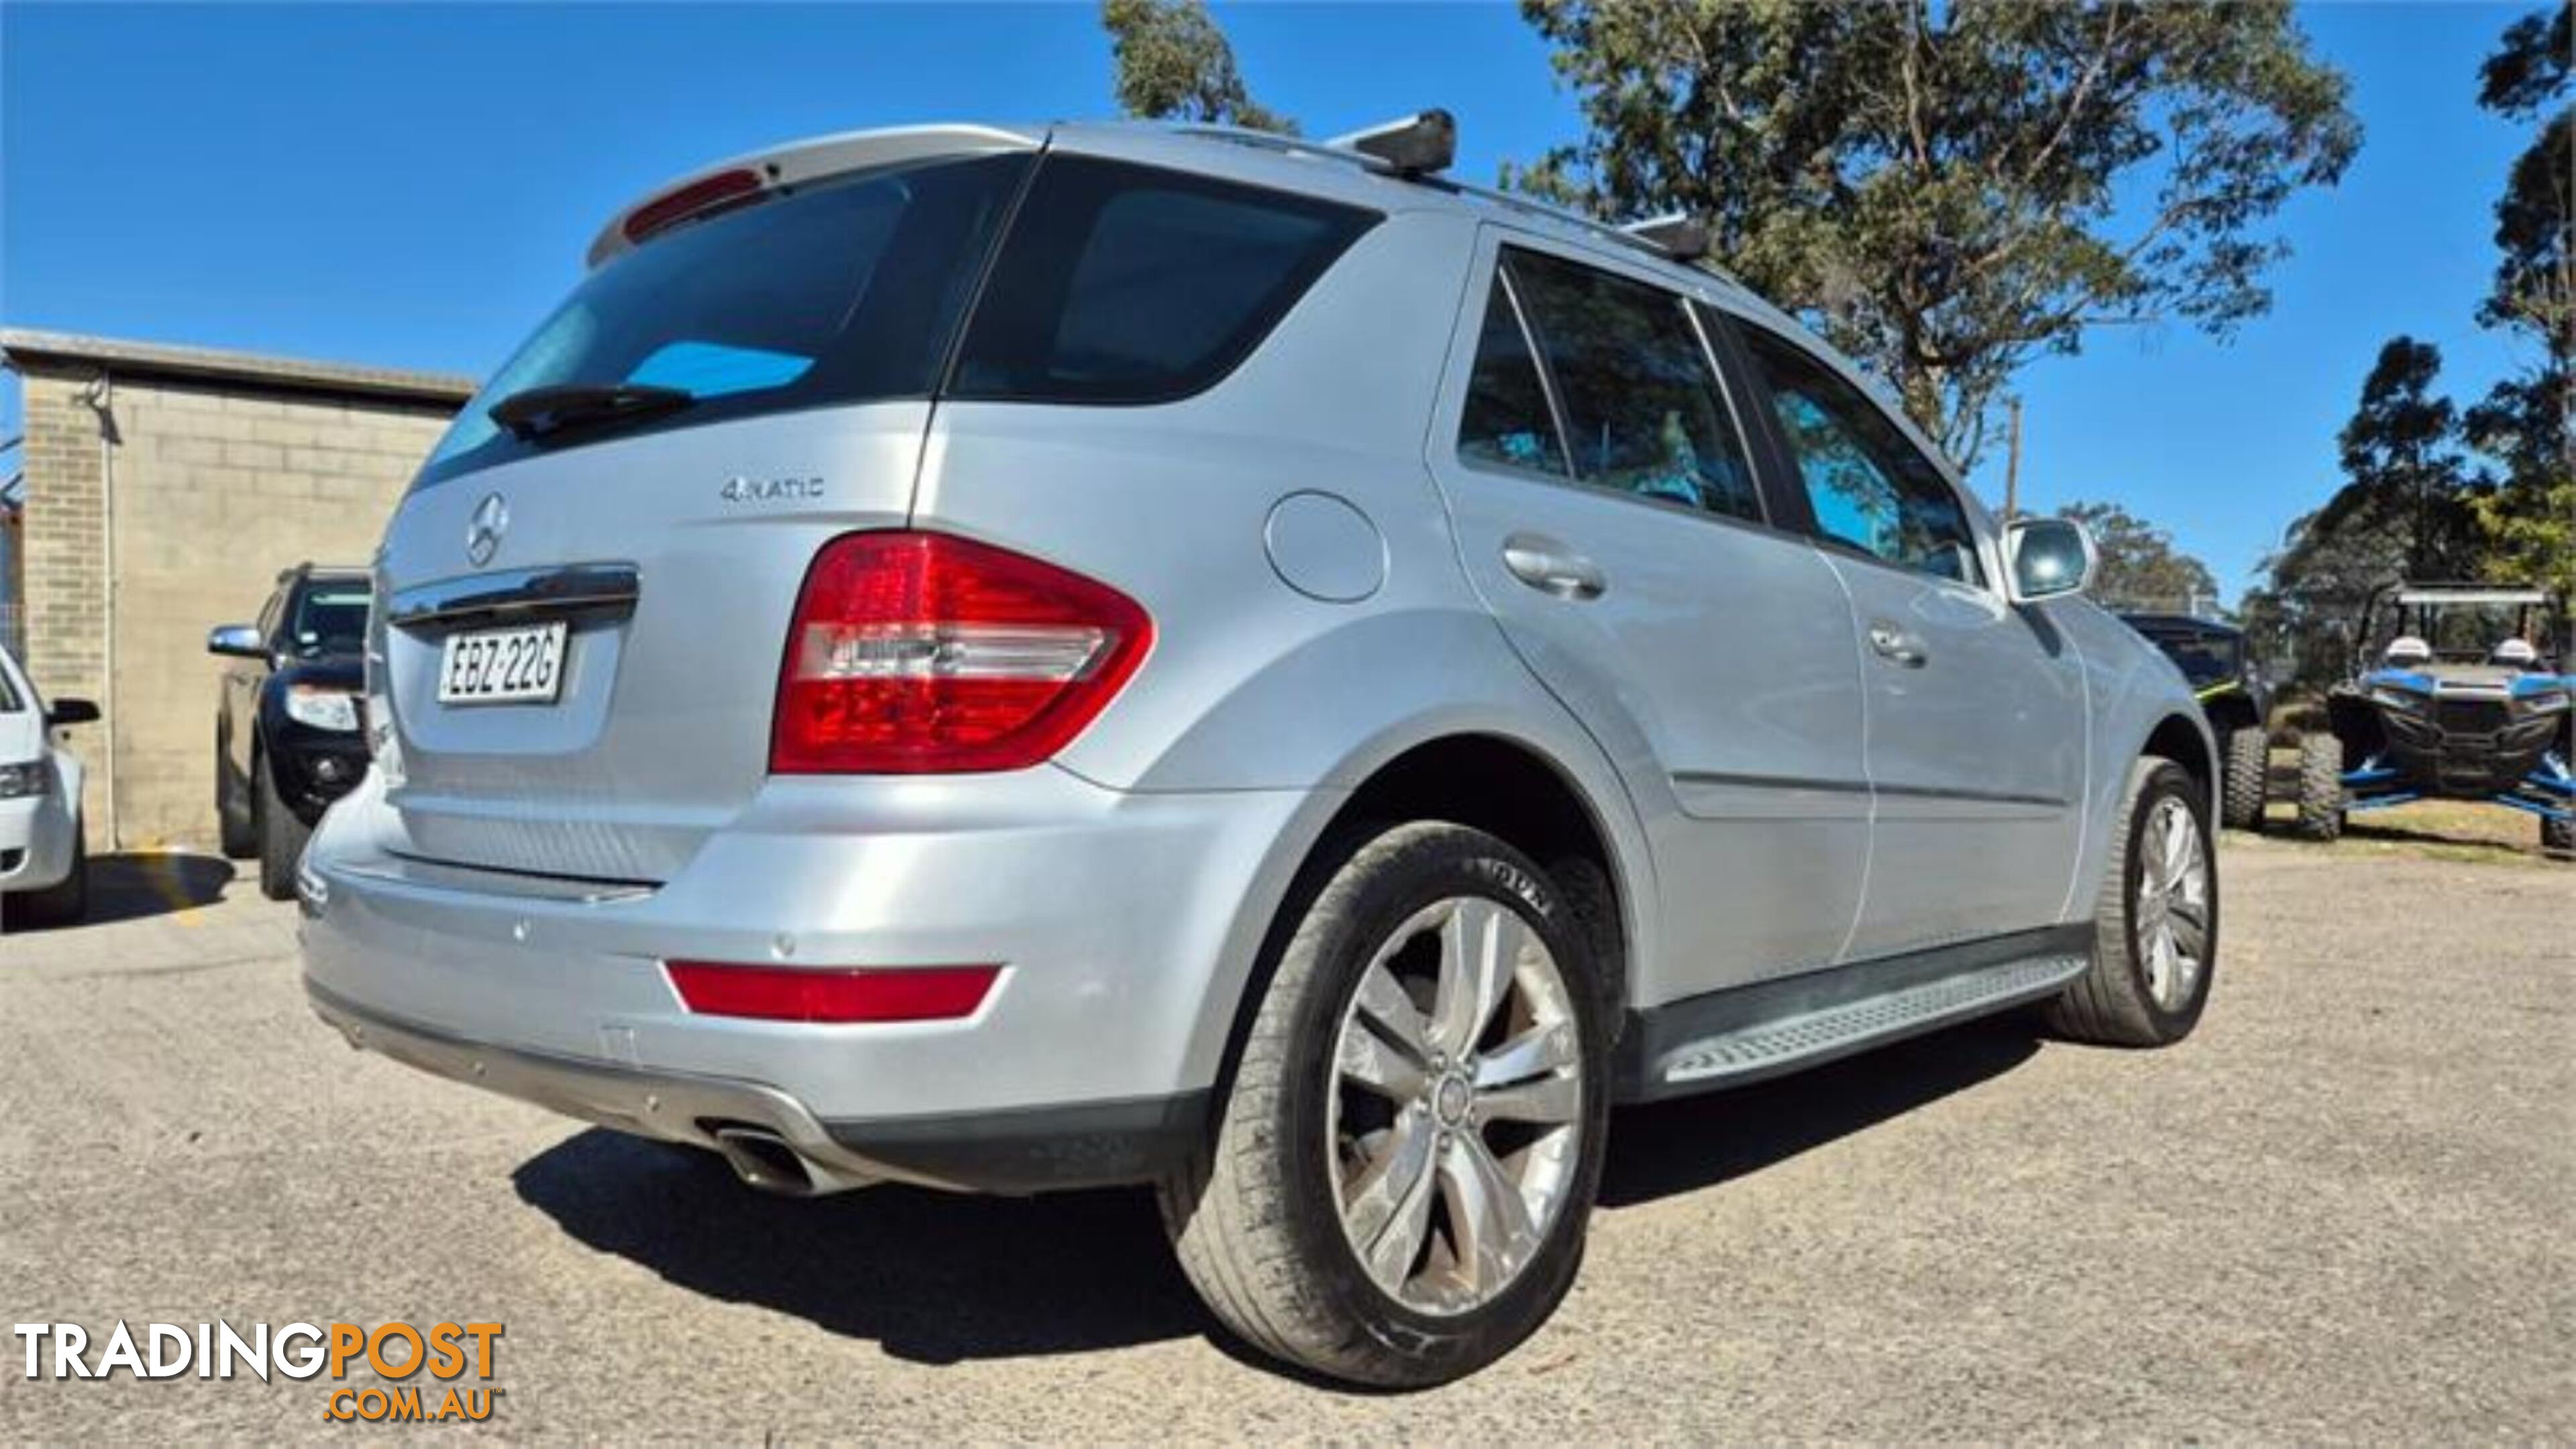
740,489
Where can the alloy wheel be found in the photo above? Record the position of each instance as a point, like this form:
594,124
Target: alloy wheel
1456,1109
2171,913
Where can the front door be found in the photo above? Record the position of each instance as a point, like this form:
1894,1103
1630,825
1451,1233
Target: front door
1607,511
1975,708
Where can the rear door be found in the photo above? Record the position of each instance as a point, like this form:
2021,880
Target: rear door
1606,510
804,334
1975,709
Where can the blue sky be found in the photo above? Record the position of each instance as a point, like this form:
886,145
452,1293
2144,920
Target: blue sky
414,186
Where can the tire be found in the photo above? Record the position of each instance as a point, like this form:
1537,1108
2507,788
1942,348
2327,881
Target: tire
2120,1000
1256,1214
59,904
234,835
2558,838
2248,785
281,835
2321,803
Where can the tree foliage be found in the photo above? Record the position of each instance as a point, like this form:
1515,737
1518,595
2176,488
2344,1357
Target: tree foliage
1947,190
2529,517
2404,472
2139,568
1173,63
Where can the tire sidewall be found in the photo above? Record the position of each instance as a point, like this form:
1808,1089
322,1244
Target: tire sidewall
2166,779
1459,862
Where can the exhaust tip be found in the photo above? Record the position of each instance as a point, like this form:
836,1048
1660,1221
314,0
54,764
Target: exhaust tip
762,1159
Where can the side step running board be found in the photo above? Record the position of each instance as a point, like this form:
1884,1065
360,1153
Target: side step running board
1774,1047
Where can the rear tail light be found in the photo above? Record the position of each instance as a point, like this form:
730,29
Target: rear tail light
704,196
922,653
773,993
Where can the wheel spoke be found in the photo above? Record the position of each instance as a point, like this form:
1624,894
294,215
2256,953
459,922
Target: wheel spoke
1492,1224
2187,921
1366,1058
1477,950
1541,1049
1385,1004
1389,1205
1545,1100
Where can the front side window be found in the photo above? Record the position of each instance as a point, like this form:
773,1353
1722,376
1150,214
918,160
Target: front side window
1870,487
1644,413
1132,284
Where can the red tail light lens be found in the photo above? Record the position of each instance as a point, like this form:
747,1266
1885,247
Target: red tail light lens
921,653
771,993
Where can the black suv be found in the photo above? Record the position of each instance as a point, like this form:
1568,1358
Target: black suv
2234,697
287,741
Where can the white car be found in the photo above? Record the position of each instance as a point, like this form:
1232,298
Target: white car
44,866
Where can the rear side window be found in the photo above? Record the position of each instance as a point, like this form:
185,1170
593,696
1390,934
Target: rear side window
1643,411
1131,284
1870,487
1507,419
847,291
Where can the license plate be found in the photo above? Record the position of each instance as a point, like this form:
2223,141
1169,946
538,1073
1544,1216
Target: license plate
521,665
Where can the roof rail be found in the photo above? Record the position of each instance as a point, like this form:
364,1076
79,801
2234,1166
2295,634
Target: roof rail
1422,144
1675,234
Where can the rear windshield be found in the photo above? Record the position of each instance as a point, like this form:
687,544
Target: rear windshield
1119,284
847,291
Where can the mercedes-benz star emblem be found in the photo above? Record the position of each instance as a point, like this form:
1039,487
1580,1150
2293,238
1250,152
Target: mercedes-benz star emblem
483,534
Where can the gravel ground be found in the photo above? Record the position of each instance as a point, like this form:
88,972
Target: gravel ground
2340,1212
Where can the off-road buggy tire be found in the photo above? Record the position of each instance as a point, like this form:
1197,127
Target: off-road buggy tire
2321,802
2248,786
2558,838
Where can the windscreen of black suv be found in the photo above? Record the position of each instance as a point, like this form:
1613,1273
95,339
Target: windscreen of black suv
1119,284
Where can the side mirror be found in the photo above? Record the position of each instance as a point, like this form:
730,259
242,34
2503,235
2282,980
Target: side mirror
2047,557
70,712
241,641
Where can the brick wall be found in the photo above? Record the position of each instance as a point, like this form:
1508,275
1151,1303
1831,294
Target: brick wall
62,548
216,486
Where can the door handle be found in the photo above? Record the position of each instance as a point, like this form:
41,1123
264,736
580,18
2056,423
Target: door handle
1896,646
1552,568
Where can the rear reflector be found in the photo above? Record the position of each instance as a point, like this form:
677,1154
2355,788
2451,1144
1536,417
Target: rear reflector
771,993
919,653
710,193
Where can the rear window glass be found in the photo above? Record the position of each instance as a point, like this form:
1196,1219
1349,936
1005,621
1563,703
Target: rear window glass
848,291
1130,284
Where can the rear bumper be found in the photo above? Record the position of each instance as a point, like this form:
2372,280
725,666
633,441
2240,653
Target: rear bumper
1123,923
1031,1151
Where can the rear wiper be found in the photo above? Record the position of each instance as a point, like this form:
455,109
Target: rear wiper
537,411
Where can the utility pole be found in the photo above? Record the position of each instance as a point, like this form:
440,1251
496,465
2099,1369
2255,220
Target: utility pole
2012,467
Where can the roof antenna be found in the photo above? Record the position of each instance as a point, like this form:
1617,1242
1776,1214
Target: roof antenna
1421,144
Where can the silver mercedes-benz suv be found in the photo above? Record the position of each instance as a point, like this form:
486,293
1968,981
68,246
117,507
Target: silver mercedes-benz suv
1012,658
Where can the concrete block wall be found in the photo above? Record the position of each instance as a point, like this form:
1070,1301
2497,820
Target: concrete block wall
215,486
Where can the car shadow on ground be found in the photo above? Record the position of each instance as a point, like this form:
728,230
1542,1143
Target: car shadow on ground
132,885
940,1278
